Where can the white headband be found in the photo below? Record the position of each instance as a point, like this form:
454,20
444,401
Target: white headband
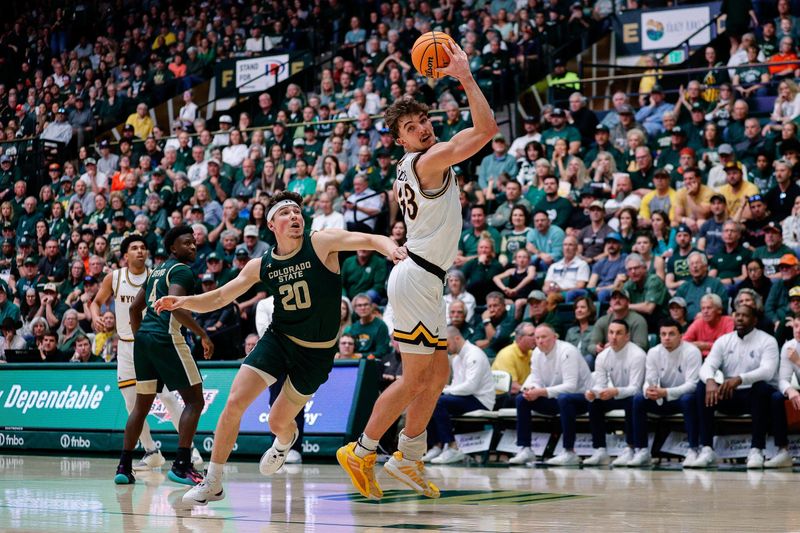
278,206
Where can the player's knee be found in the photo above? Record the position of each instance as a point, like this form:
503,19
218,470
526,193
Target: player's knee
235,406
279,426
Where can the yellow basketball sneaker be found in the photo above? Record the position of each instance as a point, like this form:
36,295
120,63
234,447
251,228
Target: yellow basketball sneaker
412,473
361,471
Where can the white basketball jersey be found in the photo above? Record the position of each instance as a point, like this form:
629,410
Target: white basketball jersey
126,286
433,218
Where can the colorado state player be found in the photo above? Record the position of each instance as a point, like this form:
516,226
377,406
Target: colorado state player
428,195
123,285
302,272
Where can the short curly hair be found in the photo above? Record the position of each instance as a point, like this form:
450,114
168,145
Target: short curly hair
404,106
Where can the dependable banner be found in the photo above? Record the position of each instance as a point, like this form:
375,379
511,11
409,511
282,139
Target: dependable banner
88,399
659,30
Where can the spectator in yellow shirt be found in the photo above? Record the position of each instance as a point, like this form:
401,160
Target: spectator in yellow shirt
516,358
737,190
662,198
141,122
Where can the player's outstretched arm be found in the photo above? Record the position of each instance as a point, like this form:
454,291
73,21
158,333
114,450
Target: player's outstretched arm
216,299
336,240
469,141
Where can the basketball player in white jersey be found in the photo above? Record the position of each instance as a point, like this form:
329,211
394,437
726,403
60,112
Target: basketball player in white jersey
428,195
123,284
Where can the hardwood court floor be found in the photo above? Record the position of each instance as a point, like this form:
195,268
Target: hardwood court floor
57,494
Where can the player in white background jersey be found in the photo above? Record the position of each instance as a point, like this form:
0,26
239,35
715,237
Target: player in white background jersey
428,195
123,285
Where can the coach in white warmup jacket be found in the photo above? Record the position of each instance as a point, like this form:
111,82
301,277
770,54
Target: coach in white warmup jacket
748,359
471,388
558,370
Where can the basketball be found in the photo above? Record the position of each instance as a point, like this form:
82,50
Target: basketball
430,53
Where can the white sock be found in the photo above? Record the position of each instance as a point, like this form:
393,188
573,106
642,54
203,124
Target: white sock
365,445
172,405
129,394
413,448
214,473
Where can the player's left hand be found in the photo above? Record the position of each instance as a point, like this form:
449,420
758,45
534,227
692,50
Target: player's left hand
399,253
208,347
168,303
459,63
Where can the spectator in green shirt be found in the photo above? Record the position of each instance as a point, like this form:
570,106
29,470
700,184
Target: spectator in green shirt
729,265
7,308
370,333
648,294
364,272
468,244
750,79
558,208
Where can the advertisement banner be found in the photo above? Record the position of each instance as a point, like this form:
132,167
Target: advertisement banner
660,30
665,29
261,73
88,399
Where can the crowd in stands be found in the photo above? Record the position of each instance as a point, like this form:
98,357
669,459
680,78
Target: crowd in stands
596,228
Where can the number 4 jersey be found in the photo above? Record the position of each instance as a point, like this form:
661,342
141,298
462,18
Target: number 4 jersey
171,272
433,218
308,296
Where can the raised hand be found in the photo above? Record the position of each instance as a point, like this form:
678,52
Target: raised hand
459,63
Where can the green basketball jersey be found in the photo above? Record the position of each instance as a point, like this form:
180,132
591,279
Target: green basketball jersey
307,295
157,285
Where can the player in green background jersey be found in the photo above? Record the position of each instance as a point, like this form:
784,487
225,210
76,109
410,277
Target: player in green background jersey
162,357
302,273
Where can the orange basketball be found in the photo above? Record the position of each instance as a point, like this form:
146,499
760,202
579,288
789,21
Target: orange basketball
429,53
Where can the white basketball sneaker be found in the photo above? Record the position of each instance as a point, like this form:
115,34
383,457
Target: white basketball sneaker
640,458
599,458
690,459
449,456
755,459
565,458
273,459
624,458
706,459
431,454
197,459
204,492
781,460
150,460
525,455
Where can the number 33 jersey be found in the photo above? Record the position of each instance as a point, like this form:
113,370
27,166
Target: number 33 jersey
308,296
433,218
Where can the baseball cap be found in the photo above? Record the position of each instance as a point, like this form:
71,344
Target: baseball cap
213,256
384,131
625,109
54,166
755,198
733,165
61,110
214,162
119,214
241,252
596,204
683,228
538,296
5,159
557,112
725,149
29,261
207,277
161,252
687,151
789,260
104,144
25,241
225,119
773,226
90,279
309,127
613,236
677,130
718,197
90,161
251,231
657,89
601,127
362,133
128,127
196,208
87,229
623,292
530,119
65,178
158,171
678,301
299,143
50,287
499,138
697,106
794,292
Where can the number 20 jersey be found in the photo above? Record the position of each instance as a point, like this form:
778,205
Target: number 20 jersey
433,218
308,296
